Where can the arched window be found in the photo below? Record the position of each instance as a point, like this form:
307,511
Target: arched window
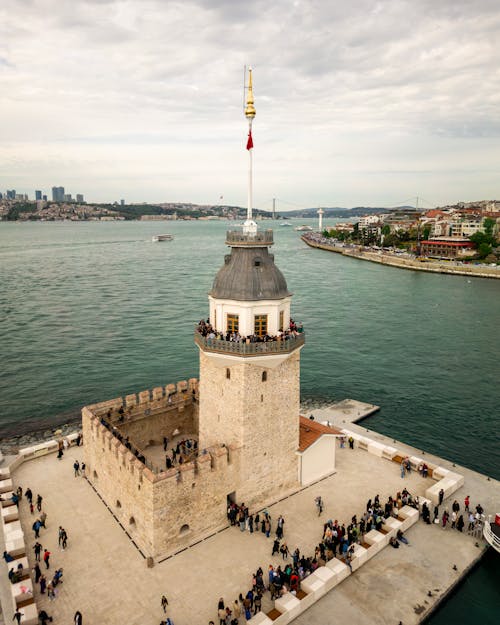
131,521
118,503
228,373
264,376
184,530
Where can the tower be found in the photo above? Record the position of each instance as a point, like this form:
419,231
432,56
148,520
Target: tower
321,212
250,363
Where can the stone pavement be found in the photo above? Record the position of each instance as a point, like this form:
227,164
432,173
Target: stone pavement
107,579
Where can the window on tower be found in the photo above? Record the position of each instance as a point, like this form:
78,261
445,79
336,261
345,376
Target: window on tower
282,320
260,325
232,323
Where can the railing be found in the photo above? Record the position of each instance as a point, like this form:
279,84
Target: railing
283,346
490,536
262,237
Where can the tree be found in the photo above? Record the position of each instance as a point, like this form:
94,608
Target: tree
484,249
488,226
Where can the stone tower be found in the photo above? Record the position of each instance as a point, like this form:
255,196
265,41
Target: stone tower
249,389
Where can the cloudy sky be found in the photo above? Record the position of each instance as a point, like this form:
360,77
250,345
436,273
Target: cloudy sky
358,102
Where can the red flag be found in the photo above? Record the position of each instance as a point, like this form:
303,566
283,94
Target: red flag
250,140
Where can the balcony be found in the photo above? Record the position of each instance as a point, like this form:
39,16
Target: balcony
283,346
258,239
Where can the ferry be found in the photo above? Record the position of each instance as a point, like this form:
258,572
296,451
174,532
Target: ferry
162,237
303,229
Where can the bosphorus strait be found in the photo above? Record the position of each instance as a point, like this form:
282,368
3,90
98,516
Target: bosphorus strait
95,310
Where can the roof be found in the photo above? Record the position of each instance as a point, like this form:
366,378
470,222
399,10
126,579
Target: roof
449,243
249,274
310,431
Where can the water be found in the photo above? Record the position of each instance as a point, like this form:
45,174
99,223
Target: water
91,311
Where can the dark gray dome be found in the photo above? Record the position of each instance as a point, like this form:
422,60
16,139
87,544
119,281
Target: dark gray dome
249,274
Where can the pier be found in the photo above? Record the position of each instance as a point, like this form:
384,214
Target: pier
391,260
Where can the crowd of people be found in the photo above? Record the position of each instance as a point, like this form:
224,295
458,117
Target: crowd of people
208,331
184,451
48,583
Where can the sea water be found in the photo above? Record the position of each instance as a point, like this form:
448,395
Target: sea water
91,311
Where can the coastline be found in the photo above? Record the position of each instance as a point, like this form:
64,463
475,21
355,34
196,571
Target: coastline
406,263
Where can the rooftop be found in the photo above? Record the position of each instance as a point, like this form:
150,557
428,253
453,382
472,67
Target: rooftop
310,431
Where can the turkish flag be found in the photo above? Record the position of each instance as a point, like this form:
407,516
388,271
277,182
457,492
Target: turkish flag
250,140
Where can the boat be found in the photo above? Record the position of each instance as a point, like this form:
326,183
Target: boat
162,237
285,224
303,229
491,532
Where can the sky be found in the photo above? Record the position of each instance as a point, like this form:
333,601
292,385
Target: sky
358,103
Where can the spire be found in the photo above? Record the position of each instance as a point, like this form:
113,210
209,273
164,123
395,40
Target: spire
250,108
250,227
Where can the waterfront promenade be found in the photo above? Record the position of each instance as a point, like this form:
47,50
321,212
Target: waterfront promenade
107,579
392,260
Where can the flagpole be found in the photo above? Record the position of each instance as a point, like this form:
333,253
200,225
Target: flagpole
250,178
250,227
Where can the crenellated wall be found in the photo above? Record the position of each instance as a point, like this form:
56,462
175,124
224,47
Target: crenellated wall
168,510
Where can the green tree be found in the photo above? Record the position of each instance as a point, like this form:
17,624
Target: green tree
488,226
484,249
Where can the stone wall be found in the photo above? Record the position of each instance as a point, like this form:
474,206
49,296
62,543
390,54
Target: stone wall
255,408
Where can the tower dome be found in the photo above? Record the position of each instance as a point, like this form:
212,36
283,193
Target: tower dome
249,274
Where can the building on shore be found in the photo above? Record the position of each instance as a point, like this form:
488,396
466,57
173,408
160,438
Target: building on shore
447,247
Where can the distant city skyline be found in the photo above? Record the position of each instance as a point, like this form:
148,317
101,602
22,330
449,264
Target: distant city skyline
364,104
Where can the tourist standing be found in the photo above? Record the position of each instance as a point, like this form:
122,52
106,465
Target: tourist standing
76,467
43,518
38,572
43,617
17,616
441,496
43,584
46,556
467,503
38,550
29,495
39,503
164,603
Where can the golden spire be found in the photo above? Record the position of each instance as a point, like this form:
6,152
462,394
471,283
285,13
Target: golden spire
250,108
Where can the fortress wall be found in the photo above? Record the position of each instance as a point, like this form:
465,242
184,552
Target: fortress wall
192,503
123,482
150,429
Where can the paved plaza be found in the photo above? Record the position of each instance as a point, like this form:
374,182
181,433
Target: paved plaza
106,578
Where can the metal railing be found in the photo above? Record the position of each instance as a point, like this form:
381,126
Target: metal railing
490,537
283,346
261,237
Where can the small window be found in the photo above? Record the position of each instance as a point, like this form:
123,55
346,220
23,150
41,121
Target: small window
118,503
228,373
131,521
215,319
232,323
264,376
282,320
257,262
95,475
184,530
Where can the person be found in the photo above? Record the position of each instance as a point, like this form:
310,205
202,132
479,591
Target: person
441,497
276,547
221,612
17,615
467,503
43,617
393,542
284,551
78,618
76,467
351,442
7,557
403,464
46,556
38,572
164,603
60,453
319,504
460,523
36,528
29,495
82,468
39,503
43,584
401,538
43,518
57,579
51,593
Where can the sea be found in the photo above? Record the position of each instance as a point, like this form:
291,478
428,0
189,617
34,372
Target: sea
91,311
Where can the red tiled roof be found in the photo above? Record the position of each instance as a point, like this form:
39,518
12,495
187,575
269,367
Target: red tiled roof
449,243
310,431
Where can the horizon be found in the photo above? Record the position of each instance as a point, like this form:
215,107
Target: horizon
359,105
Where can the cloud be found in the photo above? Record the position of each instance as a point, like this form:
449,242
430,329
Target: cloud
375,87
